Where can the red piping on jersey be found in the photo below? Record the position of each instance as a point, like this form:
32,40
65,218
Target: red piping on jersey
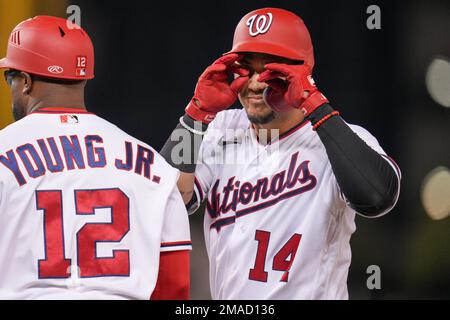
173,244
199,189
61,110
293,129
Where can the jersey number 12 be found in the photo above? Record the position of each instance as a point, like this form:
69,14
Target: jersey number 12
55,264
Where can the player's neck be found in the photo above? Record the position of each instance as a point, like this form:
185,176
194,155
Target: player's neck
51,95
62,105
283,122
76,102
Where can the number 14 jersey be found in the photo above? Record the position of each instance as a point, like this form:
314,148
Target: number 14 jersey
276,223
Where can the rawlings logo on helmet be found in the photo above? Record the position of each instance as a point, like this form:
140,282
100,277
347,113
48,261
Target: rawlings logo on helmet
55,69
259,24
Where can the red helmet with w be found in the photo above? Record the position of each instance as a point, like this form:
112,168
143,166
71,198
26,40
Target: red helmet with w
274,31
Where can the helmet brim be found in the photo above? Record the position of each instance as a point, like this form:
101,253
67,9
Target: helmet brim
4,63
267,48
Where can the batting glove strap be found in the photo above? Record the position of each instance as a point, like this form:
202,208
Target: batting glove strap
198,114
314,101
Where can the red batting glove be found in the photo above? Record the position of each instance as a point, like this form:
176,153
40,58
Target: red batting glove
213,93
291,86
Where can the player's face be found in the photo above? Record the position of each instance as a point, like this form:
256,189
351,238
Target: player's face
251,95
15,80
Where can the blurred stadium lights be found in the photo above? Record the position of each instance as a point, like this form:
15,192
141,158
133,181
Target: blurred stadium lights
438,81
435,193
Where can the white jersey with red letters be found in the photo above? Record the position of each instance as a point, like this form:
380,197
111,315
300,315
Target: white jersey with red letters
276,224
85,209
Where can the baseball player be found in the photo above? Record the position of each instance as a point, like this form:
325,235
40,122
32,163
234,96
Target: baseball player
87,211
283,177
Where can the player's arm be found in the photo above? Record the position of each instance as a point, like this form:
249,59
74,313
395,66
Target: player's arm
368,181
187,163
186,186
173,272
213,93
173,276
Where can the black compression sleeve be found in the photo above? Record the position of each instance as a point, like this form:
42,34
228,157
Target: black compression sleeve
367,180
182,147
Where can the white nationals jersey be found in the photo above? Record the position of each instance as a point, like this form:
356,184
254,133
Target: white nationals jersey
85,209
276,224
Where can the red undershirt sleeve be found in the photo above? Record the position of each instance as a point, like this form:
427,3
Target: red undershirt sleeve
173,276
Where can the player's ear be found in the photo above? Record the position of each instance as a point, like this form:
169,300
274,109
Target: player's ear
28,83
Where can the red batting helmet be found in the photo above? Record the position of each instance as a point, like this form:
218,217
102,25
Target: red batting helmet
51,47
274,31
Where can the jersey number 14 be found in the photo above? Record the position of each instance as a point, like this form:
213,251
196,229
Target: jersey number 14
282,261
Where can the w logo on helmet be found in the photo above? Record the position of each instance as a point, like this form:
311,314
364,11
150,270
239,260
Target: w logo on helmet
259,24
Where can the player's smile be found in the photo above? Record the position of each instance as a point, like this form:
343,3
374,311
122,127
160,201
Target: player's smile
255,98
251,98
251,95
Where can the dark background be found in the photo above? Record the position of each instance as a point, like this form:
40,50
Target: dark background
149,55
